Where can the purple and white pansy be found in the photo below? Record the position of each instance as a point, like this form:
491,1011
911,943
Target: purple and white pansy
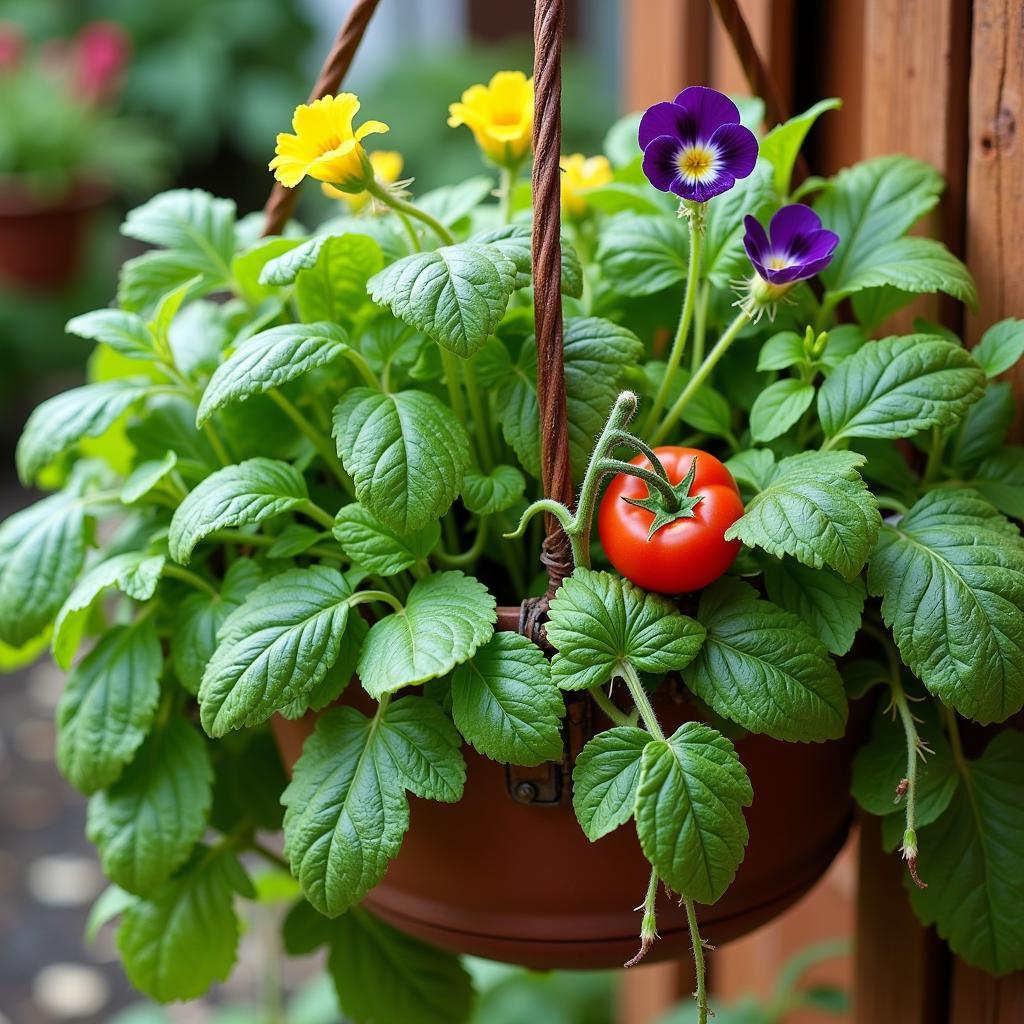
794,248
695,145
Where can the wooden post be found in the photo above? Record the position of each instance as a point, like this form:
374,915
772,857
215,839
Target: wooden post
980,999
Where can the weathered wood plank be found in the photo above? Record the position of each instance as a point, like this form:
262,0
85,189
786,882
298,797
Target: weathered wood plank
978,998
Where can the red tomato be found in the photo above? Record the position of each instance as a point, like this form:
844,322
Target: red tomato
683,555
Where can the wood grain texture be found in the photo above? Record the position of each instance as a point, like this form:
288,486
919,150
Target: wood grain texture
978,998
665,47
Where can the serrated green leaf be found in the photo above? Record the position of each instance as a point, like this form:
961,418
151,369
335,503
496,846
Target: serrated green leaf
689,810
514,240
761,667
145,476
338,676
605,779
984,428
488,493
643,255
378,548
447,616
248,267
269,359
452,203
1001,346
146,823
334,287
830,606
275,648
899,386
126,333
62,421
42,549
951,577
778,407
782,144
596,355
242,495
972,853
597,621
198,618
456,295
175,943
1000,478
755,467
424,748
108,706
504,703
134,573
406,452
781,351
815,508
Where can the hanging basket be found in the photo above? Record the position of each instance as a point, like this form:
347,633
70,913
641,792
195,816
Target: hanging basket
506,873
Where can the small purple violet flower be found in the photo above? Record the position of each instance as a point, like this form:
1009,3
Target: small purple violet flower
794,248
695,146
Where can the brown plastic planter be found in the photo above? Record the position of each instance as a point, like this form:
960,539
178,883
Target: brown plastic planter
41,243
508,881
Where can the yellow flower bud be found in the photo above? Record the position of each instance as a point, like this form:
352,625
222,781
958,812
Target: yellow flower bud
325,146
387,166
579,173
500,115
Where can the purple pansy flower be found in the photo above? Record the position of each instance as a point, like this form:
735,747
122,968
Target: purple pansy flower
794,248
695,146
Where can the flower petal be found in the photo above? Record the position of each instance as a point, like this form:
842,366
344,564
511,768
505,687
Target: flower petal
371,128
660,163
791,225
818,245
717,182
755,241
737,149
708,108
786,275
662,119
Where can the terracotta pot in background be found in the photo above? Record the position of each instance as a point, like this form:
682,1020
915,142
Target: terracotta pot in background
41,243
520,883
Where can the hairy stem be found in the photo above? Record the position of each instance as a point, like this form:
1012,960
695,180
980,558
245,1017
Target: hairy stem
700,326
649,924
508,188
701,995
401,206
612,712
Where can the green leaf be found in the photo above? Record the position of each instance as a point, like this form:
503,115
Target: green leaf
830,606
144,279
596,355
781,351
275,648
1000,478
269,359
452,203
815,508
108,706
761,667
951,577
597,621
198,618
110,903
1001,346
504,703
984,428
754,466
778,407
643,255
407,453
334,288
915,265
146,823
619,196
881,764
605,779
294,540
898,387
126,333
620,141
689,810
175,943
782,144
338,676
42,549
514,241
62,421
146,476
382,974
378,548
134,573
972,854
870,204
242,495
248,267
284,268
424,748
488,493
456,295
447,617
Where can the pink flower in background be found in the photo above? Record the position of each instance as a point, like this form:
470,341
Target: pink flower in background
12,46
102,50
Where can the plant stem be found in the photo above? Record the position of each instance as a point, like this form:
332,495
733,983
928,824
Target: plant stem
934,463
641,700
316,513
612,712
371,596
722,346
700,325
679,342
216,444
479,413
414,239
508,187
701,994
191,578
322,444
649,923
401,206
268,855
369,377
892,504
452,376
253,540
470,555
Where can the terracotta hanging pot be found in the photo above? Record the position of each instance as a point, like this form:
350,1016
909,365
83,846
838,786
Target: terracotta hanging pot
41,242
519,882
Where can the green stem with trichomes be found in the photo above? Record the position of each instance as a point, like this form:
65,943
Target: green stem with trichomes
401,206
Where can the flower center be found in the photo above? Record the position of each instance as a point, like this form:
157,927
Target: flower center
696,162
777,262
329,144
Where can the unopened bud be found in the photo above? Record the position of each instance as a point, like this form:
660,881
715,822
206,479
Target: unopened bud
901,790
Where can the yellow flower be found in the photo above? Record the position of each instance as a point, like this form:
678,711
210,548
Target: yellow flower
324,145
387,166
500,115
579,173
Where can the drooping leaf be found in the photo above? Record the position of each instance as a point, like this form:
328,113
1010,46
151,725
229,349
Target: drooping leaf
951,577
782,144
605,779
406,452
761,667
378,548
504,703
597,621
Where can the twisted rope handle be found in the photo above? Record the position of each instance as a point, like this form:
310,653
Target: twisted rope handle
282,200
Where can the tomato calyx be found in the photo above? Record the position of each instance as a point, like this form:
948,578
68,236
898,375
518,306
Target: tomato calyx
665,500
